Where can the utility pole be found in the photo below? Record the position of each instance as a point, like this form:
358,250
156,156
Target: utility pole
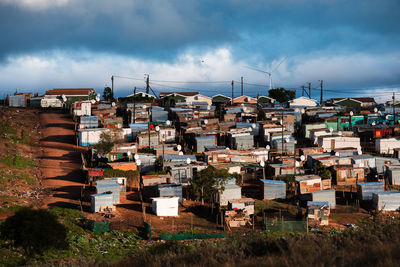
322,86
302,90
241,84
282,136
134,105
147,84
394,110
309,90
232,90
112,85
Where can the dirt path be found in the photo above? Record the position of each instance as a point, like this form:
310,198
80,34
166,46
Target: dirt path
60,161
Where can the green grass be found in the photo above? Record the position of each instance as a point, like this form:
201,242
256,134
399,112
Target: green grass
19,162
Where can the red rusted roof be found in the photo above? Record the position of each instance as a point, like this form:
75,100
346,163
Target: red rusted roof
70,91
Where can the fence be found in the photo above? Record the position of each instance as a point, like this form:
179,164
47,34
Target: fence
285,226
192,236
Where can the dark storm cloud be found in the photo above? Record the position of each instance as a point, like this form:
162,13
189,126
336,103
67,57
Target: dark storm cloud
160,29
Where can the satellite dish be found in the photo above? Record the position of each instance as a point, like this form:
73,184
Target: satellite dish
387,117
262,163
267,147
180,153
134,147
297,110
303,111
188,160
351,113
179,147
228,148
128,153
297,164
373,123
250,129
144,106
64,98
361,165
302,157
93,101
138,162
359,152
331,130
97,98
340,133
113,104
287,139
136,157
375,110
205,121
168,122
281,122
253,125
337,154
157,128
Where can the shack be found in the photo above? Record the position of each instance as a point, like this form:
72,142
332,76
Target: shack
114,188
308,183
227,192
101,202
318,213
246,204
165,206
170,190
386,201
366,190
273,189
325,196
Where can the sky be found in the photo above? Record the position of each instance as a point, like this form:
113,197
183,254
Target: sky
188,45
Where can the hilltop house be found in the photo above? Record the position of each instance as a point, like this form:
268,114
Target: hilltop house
169,99
52,98
354,102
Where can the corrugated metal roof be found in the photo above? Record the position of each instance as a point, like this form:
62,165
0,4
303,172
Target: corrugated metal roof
272,181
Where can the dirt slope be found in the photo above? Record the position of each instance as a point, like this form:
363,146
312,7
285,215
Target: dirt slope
60,161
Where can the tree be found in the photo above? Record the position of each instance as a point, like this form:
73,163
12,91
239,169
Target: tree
204,183
108,94
106,143
34,230
282,95
261,114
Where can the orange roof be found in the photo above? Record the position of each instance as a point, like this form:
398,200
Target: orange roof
70,91
179,93
245,99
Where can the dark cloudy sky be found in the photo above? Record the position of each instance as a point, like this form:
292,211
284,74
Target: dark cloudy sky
353,45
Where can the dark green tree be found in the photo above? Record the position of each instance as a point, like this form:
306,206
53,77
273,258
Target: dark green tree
34,230
108,94
106,143
282,95
204,183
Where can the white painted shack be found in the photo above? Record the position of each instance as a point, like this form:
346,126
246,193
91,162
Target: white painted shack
387,145
87,137
165,206
329,143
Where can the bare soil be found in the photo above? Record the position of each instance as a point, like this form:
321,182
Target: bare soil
60,160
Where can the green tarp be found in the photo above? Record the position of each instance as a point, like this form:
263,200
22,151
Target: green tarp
192,236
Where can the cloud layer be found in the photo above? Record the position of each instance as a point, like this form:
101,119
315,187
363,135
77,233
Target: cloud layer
76,43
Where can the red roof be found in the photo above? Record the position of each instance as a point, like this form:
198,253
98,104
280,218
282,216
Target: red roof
70,91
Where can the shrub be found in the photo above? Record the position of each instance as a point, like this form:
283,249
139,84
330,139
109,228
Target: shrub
34,230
